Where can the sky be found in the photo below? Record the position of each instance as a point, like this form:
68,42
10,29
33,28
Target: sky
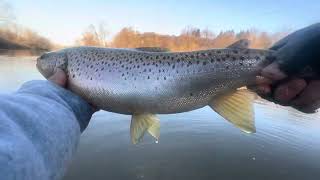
63,21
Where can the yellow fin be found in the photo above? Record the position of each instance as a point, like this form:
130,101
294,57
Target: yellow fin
140,123
237,108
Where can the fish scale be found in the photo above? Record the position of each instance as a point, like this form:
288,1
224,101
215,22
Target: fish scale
141,81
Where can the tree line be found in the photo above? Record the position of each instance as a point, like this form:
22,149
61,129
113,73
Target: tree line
25,37
190,38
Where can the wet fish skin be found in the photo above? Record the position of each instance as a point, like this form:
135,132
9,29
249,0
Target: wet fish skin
134,82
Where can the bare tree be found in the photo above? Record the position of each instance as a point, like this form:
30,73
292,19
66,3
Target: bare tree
94,37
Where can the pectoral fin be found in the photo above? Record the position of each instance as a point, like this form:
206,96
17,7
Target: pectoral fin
140,123
237,108
241,44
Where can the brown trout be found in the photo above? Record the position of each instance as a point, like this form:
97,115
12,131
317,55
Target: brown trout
144,82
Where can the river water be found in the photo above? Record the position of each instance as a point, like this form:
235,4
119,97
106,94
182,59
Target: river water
193,145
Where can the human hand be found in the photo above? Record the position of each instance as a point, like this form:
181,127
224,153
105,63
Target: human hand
294,76
59,78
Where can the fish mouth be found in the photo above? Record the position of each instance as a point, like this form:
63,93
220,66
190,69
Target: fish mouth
39,68
44,73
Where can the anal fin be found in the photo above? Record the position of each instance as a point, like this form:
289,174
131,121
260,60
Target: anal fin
142,123
237,108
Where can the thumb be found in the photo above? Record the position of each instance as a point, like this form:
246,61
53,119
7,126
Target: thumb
59,78
273,72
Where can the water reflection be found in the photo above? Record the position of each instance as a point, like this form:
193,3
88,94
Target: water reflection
193,145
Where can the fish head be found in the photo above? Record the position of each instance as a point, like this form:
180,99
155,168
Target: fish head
49,62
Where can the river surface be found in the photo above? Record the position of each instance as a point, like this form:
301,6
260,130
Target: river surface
194,145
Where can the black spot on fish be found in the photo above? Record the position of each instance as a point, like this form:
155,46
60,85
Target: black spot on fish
144,70
157,57
73,76
148,77
198,62
165,78
234,58
138,66
204,63
242,58
149,70
219,52
173,66
91,78
211,60
122,74
157,78
241,63
102,69
122,66
178,60
91,66
235,51
191,94
257,58
227,55
227,67
168,63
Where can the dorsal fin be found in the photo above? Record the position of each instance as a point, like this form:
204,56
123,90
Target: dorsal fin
153,49
241,44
